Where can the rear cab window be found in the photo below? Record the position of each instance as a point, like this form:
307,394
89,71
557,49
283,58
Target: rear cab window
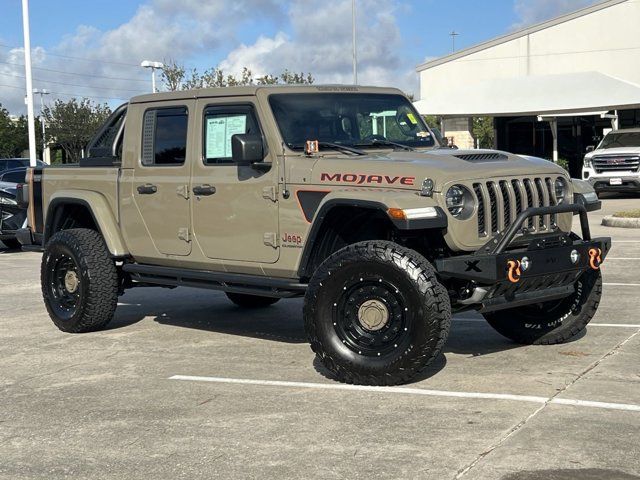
164,136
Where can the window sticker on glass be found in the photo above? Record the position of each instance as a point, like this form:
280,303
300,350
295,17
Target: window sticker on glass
219,133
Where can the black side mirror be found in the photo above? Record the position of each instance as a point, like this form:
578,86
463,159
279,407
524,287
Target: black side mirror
590,148
247,148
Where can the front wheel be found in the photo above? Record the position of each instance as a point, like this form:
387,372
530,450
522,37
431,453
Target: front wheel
375,314
79,281
552,322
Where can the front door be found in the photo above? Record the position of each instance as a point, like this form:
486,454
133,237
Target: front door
235,209
160,179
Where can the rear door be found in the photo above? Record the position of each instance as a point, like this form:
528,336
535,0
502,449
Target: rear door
160,179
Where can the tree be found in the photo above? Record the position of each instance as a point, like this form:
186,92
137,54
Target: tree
14,134
176,77
72,124
483,131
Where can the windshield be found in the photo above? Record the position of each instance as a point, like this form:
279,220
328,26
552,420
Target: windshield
619,139
364,120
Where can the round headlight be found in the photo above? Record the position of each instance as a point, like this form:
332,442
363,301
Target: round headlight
460,202
561,189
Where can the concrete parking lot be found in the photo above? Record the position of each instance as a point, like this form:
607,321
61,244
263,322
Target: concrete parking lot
185,385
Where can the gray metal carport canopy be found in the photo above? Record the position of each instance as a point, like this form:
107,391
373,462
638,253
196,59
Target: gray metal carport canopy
536,95
544,96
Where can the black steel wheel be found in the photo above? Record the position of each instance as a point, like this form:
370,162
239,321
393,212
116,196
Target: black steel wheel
375,314
552,322
79,281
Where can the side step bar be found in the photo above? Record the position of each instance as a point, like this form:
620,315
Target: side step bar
228,282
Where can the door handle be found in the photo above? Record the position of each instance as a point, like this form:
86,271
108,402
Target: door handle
147,189
204,190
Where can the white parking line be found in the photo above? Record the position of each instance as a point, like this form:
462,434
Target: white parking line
611,325
622,258
622,284
410,391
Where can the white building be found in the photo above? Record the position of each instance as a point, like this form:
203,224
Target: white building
552,88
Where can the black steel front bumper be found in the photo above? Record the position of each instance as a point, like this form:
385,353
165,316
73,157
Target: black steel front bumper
551,272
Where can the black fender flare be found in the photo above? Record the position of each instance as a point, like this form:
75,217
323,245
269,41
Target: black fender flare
439,222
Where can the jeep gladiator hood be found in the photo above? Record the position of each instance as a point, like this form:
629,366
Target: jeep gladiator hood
400,169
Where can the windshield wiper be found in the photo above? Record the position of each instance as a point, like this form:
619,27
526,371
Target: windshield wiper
388,143
335,146
343,148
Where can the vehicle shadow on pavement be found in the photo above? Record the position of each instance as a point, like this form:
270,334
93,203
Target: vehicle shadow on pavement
279,323
271,323
571,474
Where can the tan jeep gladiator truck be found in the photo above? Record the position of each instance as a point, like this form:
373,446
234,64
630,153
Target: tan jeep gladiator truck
337,194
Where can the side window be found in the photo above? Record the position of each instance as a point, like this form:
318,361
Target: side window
222,123
14,177
164,136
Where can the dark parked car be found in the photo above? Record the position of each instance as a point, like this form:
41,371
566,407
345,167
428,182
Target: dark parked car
12,216
11,163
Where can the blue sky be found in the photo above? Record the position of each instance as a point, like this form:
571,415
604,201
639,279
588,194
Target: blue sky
266,35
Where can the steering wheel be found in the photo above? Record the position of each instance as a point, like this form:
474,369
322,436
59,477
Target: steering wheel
371,138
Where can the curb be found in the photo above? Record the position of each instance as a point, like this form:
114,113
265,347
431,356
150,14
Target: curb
611,221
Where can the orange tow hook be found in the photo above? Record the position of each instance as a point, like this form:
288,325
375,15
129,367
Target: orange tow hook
595,258
514,271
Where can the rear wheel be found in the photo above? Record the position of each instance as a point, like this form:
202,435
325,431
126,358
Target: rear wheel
551,322
79,281
251,301
375,314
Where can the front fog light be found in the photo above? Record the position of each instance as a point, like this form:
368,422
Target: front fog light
575,256
525,264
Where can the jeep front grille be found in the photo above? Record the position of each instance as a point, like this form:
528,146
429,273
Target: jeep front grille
616,163
501,201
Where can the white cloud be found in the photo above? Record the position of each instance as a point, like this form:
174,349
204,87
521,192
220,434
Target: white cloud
534,11
318,41
321,44
160,29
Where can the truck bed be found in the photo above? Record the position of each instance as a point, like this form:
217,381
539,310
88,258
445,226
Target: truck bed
70,181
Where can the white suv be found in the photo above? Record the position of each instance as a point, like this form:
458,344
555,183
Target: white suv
614,165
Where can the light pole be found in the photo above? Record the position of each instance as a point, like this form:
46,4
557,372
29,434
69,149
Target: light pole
27,71
353,34
153,66
453,35
42,93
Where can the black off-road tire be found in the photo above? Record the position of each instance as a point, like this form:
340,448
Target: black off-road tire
551,322
405,286
12,244
92,304
251,301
